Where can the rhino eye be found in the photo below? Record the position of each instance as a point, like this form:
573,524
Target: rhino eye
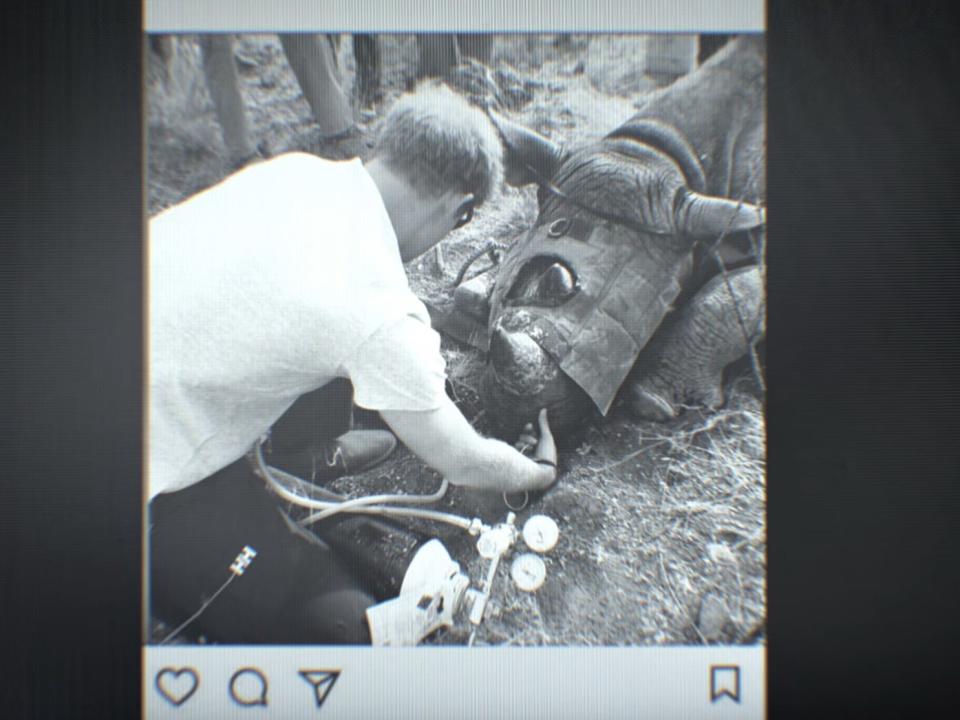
543,281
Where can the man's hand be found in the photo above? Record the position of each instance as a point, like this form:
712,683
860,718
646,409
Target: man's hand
543,447
446,441
527,440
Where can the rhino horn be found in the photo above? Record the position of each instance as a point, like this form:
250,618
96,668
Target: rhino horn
698,215
528,156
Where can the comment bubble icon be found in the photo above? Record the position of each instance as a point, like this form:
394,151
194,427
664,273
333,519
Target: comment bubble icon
248,687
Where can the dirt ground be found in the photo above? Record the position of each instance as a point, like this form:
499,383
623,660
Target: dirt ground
662,527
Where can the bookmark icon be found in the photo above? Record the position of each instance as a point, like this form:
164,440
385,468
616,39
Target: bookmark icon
724,682
322,681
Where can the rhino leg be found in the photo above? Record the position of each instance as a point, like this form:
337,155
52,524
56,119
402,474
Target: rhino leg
684,364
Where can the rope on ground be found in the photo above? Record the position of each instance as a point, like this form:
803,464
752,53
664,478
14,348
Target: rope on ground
491,248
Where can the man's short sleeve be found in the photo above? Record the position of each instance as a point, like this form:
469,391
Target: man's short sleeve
399,367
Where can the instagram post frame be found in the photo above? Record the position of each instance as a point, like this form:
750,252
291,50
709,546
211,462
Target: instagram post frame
532,260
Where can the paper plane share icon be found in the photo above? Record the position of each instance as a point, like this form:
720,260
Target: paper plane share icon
322,681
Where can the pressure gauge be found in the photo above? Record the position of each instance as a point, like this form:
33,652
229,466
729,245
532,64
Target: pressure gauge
540,533
528,572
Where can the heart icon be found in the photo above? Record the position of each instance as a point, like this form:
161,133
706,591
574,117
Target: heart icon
177,686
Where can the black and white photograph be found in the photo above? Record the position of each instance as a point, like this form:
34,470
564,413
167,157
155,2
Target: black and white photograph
455,339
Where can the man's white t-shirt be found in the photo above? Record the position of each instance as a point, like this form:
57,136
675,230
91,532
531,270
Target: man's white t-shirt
281,278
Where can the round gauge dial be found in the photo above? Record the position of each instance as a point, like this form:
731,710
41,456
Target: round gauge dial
541,533
528,572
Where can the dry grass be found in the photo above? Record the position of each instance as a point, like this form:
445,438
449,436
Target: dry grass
653,520
663,533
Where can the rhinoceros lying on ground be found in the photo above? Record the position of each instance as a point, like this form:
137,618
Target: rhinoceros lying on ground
628,230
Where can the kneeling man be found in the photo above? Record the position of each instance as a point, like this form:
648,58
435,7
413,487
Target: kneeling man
278,299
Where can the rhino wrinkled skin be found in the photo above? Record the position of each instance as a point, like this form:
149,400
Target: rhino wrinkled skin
584,305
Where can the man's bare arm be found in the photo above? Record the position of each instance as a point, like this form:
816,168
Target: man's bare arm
446,441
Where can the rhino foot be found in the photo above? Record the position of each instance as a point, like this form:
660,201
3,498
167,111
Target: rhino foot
648,405
709,395
684,363
647,401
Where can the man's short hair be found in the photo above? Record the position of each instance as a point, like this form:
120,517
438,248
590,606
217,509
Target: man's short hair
438,141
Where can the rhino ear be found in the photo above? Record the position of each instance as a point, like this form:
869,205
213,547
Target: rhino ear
697,214
528,156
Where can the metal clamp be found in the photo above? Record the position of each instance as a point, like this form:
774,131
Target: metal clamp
521,506
492,546
558,228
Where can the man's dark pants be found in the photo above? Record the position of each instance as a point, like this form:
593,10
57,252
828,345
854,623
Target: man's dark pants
293,591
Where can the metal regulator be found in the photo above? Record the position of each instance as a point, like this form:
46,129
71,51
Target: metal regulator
422,586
